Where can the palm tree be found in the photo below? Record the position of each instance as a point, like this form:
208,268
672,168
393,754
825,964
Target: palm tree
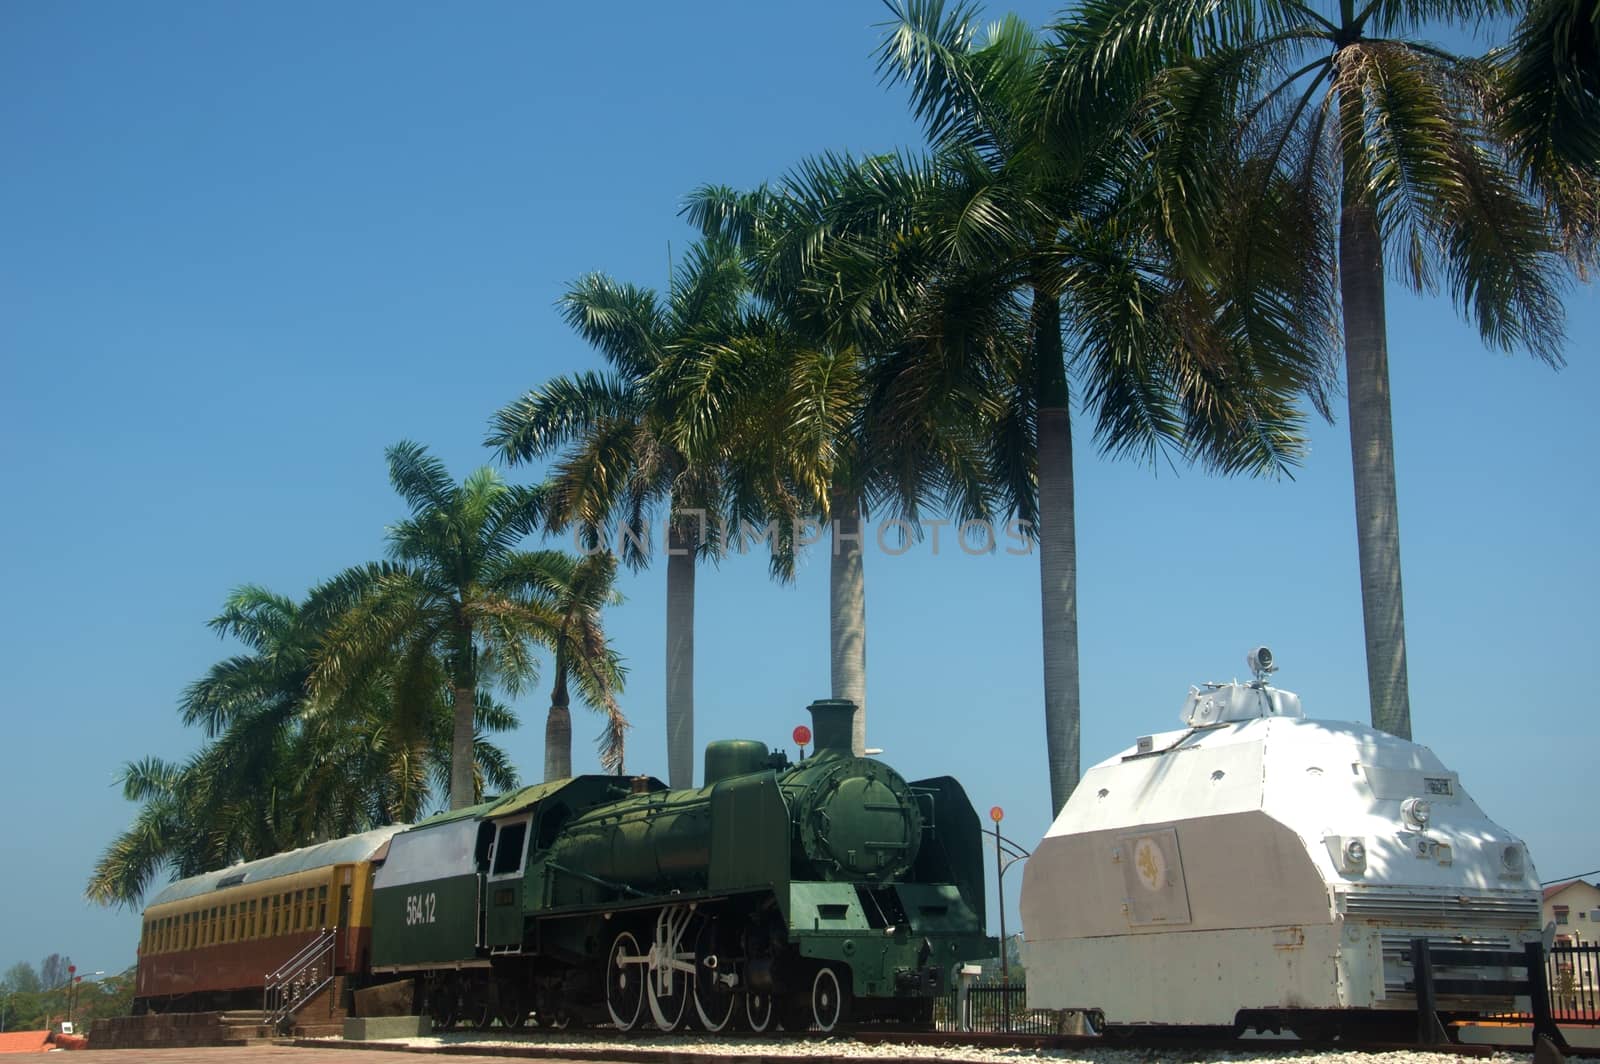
1398,143
279,769
458,601
824,397
1548,79
1050,222
621,464
579,588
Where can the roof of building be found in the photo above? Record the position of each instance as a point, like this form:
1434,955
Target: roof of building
1556,888
25,1042
347,850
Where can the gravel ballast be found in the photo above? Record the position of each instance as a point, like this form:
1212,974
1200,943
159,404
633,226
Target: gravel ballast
686,1047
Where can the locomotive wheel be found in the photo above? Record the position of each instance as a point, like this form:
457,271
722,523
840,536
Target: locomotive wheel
624,983
830,1002
444,1004
714,1000
670,1007
758,1011
513,1010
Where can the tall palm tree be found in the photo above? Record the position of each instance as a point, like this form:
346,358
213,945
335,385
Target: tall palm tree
827,381
1548,82
279,769
1063,226
1400,145
458,600
579,589
620,465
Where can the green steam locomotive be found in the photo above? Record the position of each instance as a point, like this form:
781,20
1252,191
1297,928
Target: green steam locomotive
811,894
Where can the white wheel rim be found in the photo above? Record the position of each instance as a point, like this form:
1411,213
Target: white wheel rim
617,977
683,993
751,1009
712,1023
825,1000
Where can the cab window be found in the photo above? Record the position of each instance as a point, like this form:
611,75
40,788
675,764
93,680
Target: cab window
508,848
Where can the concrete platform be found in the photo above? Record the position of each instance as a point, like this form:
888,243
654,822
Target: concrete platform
375,1028
1517,1037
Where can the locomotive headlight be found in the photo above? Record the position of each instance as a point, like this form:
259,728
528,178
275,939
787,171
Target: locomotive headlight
1514,860
1416,811
1355,855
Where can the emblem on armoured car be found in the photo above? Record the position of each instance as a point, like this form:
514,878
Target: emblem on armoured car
1150,862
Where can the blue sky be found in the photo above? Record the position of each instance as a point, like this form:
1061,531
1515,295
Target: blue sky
247,247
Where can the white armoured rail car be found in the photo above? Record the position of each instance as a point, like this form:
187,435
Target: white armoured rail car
1259,868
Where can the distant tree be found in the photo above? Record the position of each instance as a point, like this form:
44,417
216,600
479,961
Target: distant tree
53,970
21,978
458,601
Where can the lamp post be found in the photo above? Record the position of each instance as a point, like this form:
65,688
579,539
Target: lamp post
1006,854
74,984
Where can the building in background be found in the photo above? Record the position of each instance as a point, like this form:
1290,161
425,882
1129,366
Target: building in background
1574,907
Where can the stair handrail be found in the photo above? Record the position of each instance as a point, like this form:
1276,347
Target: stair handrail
287,988
310,947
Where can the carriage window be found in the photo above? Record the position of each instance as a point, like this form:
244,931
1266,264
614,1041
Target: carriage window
322,906
508,848
309,909
250,921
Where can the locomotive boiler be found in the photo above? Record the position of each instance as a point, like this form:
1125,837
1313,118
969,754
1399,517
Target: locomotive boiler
803,894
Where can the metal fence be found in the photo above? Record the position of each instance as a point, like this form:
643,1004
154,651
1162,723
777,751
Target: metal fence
1574,981
993,1007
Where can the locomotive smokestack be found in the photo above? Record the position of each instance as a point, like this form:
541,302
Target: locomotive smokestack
831,719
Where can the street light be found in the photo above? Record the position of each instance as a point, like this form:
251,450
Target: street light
73,988
1006,854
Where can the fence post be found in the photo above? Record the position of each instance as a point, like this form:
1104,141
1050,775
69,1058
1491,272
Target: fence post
1539,994
1430,1032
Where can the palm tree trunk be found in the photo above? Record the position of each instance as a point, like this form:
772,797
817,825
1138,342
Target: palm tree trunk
847,612
680,653
558,730
1058,553
462,755
1372,450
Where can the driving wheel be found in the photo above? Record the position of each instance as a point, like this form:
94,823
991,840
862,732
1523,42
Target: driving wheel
625,978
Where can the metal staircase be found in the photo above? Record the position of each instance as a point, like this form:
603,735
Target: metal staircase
299,979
